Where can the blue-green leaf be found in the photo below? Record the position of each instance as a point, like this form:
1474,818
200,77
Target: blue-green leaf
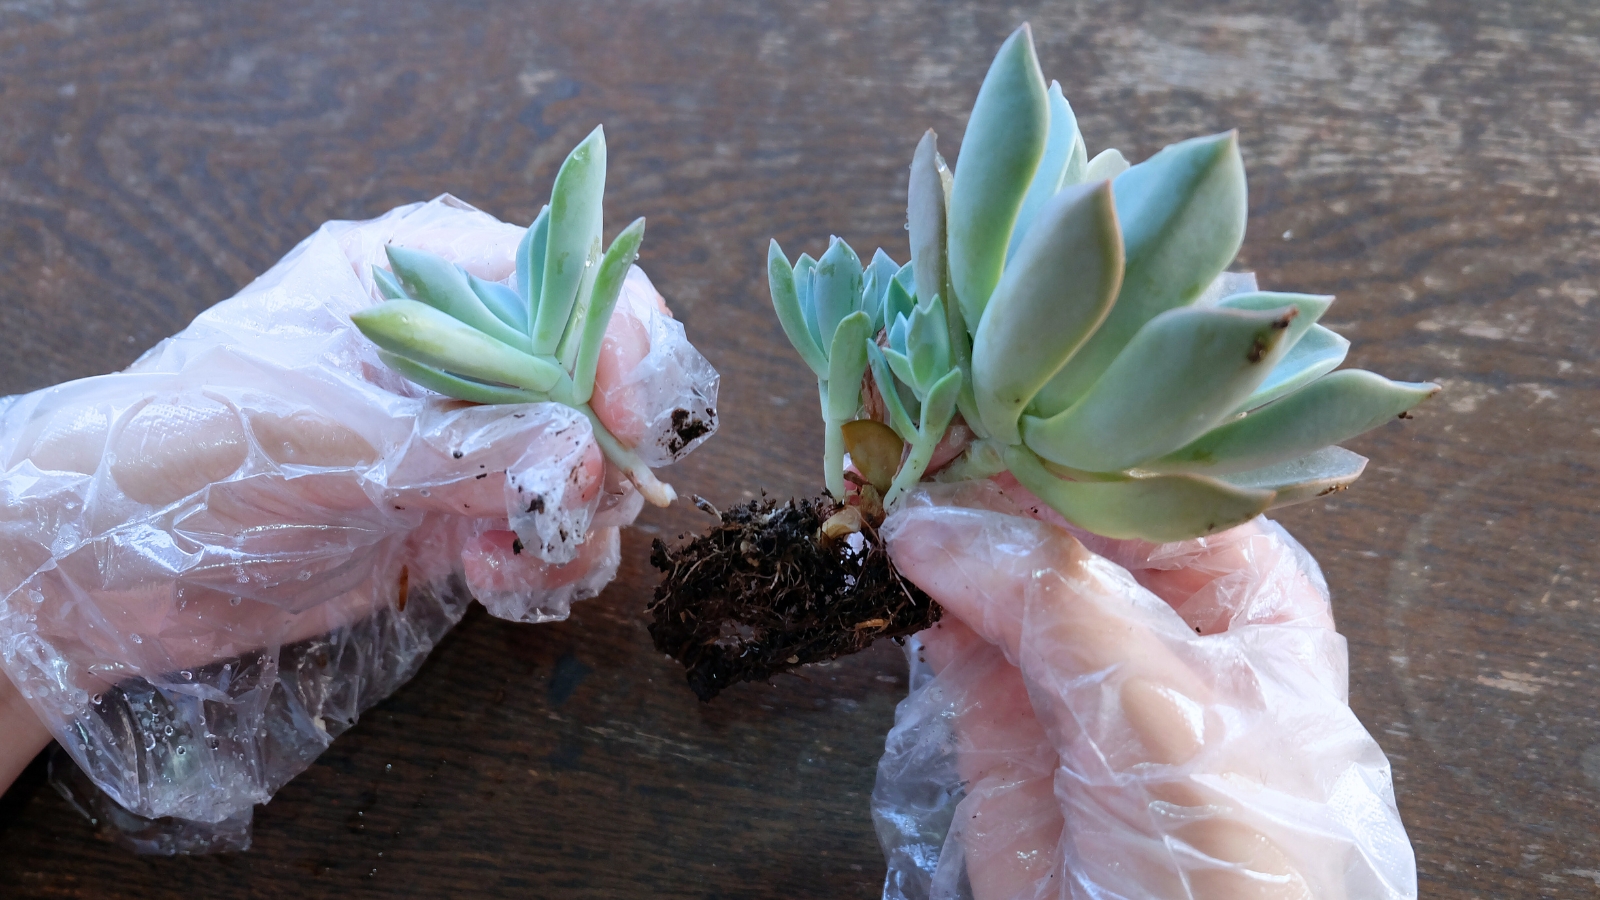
1062,148
422,333
1331,409
876,279
503,301
608,279
928,344
926,220
388,286
1182,213
1324,472
1179,376
1000,152
456,386
805,269
574,235
1308,307
1057,289
786,301
836,285
530,262
889,389
1108,163
900,299
1160,508
1313,356
846,364
443,286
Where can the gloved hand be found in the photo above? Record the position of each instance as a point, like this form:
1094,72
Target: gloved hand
212,562
1140,721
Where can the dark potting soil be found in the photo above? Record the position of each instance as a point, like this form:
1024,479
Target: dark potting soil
763,592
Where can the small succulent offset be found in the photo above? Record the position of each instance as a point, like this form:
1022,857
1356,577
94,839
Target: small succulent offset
471,339
1075,312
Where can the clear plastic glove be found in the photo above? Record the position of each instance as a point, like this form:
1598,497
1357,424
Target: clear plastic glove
1139,721
212,562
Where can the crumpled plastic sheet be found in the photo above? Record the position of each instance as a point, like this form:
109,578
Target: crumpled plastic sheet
1139,721
212,562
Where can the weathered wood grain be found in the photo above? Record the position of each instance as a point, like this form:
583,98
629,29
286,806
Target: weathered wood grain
1435,164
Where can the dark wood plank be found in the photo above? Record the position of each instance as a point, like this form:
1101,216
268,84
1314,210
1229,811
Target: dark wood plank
1433,163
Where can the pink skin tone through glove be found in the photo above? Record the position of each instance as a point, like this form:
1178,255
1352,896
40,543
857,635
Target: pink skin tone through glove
1141,721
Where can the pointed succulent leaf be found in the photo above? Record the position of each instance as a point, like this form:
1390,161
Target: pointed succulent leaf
441,285
608,279
846,364
503,301
574,233
928,344
388,286
530,262
1179,376
875,286
1159,508
900,299
1324,472
1000,152
1308,308
1331,409
837,285
786,301
1182,213
567,349
1313,356
889,389
804,287
875,451
1061,148
925,219
456,386
419,332
899,329
1056,291
1108,163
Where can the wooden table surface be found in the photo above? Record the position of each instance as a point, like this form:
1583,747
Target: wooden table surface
1434,164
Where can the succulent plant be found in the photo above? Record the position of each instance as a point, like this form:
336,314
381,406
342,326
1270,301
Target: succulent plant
486,342
1066,307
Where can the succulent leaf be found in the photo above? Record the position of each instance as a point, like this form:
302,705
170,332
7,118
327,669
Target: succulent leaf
609,275
530,262
1308,309
1063,151
1182,213
805,289
1159,508
573,239
900,299
1000,152
1056,291
388,286
1331,409
786,301
889,389
1313,356
502,301
875,286
925,218
836,285
439,284
1298,480
875,450
1179,376
422,333
1108,163
928,344
846,364
456,386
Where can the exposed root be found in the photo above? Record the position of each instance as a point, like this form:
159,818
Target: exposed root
764,591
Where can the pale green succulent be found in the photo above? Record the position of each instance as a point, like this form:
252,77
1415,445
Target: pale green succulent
1080,346
475,340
